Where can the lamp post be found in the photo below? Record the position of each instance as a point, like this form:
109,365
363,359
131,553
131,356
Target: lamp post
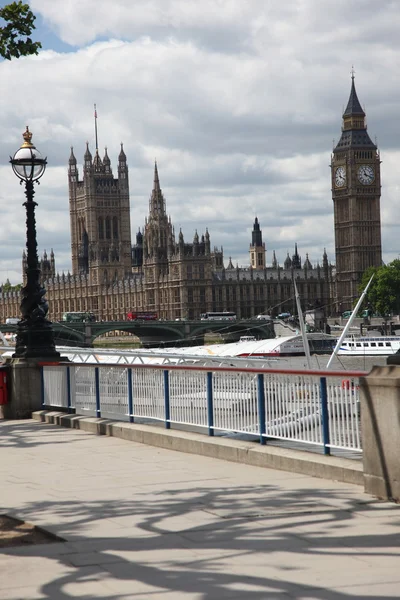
35,337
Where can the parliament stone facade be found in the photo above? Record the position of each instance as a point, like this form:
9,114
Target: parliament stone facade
177,279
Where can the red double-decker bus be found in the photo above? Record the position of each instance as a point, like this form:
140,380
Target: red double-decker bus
141,316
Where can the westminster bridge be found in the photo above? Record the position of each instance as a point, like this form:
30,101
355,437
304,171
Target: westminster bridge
156,333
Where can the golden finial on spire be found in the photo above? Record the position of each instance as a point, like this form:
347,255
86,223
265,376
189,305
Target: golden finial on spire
27,135
352,72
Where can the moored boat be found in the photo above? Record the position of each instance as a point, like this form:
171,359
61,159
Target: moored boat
369,346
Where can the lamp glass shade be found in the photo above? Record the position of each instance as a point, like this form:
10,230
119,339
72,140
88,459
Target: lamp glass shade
28,164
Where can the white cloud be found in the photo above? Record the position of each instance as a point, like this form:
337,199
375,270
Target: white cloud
239,101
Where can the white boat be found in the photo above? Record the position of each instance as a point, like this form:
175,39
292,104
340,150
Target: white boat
369,346
320,343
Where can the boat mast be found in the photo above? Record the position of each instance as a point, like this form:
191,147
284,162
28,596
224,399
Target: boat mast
348,324
302,328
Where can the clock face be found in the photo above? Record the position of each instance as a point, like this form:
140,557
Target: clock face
340,177
365,174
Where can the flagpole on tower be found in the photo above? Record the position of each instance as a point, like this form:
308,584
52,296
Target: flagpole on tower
95,126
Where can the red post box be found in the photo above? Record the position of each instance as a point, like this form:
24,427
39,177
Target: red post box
3,385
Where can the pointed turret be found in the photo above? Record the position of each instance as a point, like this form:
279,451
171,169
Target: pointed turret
72,167
208,244
296,260
354,130
87,158
107,162
274,261
52,263
307,263
123,170
122,155
325,259
353,106
157,202
257,247
72,159
97,163
256,235
288,262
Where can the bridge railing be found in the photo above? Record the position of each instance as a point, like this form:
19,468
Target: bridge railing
314,408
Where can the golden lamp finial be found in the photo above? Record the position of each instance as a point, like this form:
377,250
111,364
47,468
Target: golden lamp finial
27,135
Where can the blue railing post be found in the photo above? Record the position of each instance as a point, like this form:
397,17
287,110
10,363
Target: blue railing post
97,384
69,403
166,400
261,408
210,404
42,386
324,415
130,396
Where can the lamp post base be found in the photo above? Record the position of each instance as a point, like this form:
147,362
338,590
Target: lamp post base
35,340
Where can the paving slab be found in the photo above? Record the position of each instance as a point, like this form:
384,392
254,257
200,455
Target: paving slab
147,522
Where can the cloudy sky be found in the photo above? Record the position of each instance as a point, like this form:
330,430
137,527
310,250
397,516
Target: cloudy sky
239,101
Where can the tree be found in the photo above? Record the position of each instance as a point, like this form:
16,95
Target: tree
384,291
14,36
7,287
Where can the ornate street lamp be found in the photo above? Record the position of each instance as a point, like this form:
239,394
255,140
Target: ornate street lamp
35,337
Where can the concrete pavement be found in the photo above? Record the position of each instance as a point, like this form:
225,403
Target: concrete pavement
144,523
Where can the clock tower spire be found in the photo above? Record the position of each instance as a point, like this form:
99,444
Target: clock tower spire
356,191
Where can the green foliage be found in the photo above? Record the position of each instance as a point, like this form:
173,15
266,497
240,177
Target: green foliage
14,36
7,287
384,291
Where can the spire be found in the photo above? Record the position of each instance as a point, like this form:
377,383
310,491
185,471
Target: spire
72,159
354,129
256,235
157,202
307,263
122,155
288,262
87,155
156,179
274,261
353,106
325,258
106,162
106,159
97,163
296,260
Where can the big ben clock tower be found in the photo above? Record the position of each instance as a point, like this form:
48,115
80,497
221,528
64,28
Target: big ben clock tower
356,191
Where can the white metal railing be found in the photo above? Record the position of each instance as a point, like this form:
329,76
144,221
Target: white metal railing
312,407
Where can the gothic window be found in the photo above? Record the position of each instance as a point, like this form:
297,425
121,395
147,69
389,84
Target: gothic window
108,228
115,228
189,272
101,228
260,259
201,271
190,295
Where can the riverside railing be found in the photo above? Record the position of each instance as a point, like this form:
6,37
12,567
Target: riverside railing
319,408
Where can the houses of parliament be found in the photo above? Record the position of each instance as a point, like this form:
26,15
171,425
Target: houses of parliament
178,279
